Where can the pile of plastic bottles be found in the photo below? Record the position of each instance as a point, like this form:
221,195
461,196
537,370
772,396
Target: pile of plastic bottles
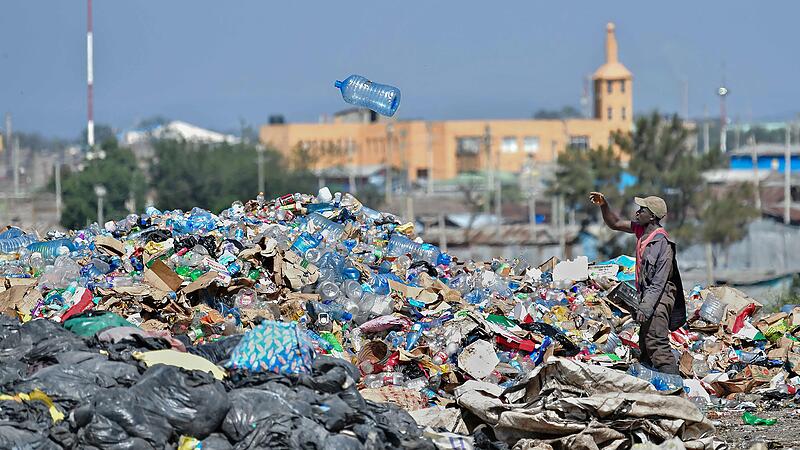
400,309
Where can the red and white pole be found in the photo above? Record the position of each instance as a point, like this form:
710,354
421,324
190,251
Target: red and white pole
89,77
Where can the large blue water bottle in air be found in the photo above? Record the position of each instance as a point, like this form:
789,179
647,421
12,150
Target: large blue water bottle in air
381,98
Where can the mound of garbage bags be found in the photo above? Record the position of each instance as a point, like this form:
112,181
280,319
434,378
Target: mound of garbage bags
316,322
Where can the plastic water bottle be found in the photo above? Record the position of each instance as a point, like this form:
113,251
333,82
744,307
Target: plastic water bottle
380,282
335,312
11,233
359,91
662,381
331,230
401,245
51,249
377,380
413,336
712,310
612,343
304,243
12,244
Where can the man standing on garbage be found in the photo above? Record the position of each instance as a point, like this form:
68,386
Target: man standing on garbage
662,306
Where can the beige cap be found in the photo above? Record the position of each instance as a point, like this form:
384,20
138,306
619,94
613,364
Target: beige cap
656,205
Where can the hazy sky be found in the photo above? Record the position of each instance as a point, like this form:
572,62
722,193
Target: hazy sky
214,62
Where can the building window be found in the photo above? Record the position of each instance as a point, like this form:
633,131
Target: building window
468,145
624,114
580,142
531,144
509,144
609,84
622,86
422,173
608,113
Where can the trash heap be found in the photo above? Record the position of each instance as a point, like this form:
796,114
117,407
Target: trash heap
316,322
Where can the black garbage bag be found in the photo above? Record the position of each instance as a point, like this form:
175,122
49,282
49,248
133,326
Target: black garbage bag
238,379
216,441
283,432
49,340
8,325
35,342
217,351
324,363
78,376
12,371
25,425
250,407
165,403
273,433
336,414
343,442
14,437
395,428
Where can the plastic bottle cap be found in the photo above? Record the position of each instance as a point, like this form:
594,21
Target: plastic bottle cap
346,316
338,84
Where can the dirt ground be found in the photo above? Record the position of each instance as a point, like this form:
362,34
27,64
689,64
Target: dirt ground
783,435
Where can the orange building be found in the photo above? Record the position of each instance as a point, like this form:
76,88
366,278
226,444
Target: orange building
359,138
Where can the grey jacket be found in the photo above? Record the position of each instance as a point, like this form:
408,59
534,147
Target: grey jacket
660,267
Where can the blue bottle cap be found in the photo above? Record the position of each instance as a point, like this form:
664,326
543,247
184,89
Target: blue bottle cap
338,84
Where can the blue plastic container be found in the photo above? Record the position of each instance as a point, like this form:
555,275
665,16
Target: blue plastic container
359,91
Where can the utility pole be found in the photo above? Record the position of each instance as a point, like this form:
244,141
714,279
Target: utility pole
351,178
787,176
685,98
487,145
430,156
498,204
562,232
388,168
261,174
16,166
532,200
58,187
756,182
723,118
89,76
9,143
705,130
401,144
100,192
442,234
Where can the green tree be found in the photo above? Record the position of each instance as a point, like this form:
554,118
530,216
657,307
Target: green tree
118,173
582,171
664,164
103,134
212,176
724,219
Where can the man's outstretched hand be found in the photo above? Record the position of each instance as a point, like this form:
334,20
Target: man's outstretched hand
597,198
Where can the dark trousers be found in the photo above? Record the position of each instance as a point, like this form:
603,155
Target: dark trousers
654,336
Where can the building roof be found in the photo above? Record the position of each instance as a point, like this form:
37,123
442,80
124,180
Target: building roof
726,176
179,130
765,149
